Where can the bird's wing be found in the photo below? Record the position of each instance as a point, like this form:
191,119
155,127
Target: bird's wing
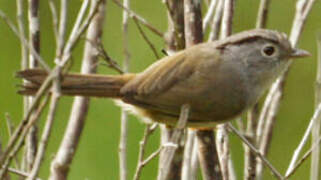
161,76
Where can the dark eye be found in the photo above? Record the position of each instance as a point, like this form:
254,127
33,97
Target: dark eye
268,50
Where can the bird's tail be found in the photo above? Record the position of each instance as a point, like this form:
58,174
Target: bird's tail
76,84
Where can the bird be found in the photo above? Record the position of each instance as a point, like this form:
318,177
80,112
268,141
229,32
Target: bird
218,80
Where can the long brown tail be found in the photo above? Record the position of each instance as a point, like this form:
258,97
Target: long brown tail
76,84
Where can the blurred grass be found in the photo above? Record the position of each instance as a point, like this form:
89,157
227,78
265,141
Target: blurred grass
97,154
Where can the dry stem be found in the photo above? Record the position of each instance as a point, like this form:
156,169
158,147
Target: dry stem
60,165
171,146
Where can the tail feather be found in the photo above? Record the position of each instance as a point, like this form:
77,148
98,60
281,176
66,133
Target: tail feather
76,84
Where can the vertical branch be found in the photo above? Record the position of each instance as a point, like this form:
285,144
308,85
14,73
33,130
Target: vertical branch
249,156
62,27
315,157
24,52
172,145
190,143
124,117
60,165
262,15
175,41
227,19
46,132
34,39
208,155
222,139
216,24
209,14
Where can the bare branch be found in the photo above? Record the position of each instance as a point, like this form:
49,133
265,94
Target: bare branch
19,173
227,19
24,41
150,44
149,129
171,147
110,62
34,40
188,154
140,19
304,157
209,14
25,129
315,158
315,117
262,14
54,15
18,131
45,135
216,24
122,148
62,26
257,152
208,155
249,156
60,165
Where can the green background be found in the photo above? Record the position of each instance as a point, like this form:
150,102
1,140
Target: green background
97,154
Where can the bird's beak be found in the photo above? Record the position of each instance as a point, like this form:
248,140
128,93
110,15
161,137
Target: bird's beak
299,53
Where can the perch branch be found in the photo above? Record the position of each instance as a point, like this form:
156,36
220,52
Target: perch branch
172,145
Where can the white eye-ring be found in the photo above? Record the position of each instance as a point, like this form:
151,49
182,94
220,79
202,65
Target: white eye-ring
269,50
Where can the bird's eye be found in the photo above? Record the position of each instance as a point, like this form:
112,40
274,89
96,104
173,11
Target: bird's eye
268,50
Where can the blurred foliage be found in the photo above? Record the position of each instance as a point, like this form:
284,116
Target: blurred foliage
97,154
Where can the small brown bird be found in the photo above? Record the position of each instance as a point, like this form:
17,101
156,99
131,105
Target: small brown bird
219,80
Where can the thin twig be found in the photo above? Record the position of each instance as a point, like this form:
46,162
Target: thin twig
24,41
45,135
54,15
188,152
209,14
122,148
23,134
60,165
150,44
149,129
140,19
275,172
262,14
249,156
227,19
315,117
315,157
174,37
304,157
171,147
62,27
110,62
20,173
216,24
34,40
10,126
18,131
